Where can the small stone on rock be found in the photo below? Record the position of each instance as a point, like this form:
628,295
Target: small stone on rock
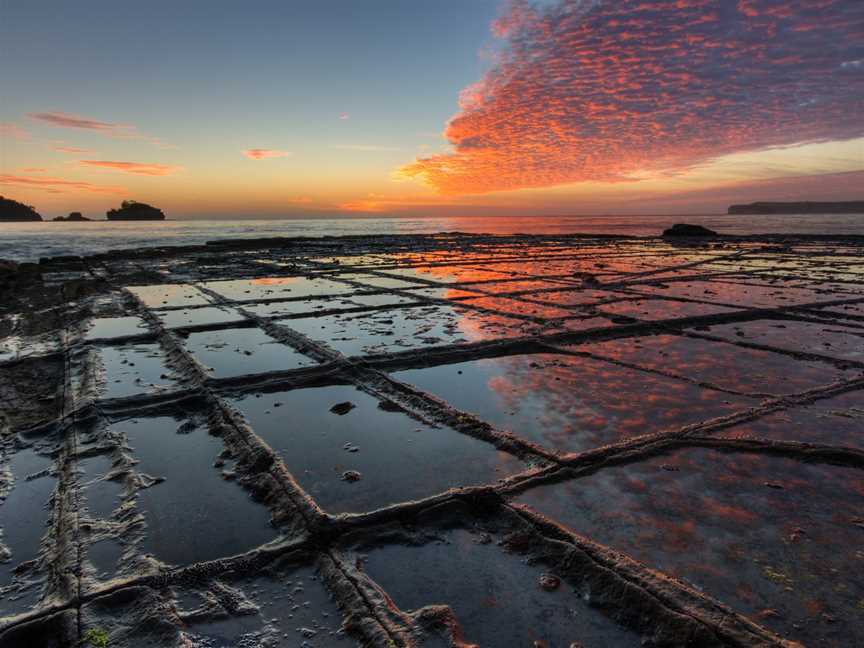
342,408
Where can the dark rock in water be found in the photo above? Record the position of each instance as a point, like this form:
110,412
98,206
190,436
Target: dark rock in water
74,217
351,476
13,211
342,408
135,211
684,229
549,582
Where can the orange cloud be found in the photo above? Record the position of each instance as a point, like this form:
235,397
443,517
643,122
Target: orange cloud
139,168
72,149
263,154
602,91
57,185
369,148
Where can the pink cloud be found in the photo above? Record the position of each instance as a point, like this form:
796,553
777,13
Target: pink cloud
8,130
57,185
602,91
66,120
110,129
263,154
138,168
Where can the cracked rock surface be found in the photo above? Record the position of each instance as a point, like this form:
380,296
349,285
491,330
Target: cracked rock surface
428,441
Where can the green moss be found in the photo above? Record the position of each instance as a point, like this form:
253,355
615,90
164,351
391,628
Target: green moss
96,637
776,576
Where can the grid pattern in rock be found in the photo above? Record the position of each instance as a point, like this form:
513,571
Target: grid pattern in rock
404,441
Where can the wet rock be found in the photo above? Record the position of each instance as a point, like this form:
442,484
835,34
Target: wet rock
389,406
12,211
549,582
351,476
342,408
685,229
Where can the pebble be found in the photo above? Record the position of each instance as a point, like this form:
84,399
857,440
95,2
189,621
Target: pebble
549,582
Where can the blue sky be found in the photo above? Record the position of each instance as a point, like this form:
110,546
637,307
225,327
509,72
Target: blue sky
469,106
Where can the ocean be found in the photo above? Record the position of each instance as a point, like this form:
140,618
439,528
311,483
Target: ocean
31,241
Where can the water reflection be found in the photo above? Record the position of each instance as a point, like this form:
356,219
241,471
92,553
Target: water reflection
777,539
569,403
725,365
397,457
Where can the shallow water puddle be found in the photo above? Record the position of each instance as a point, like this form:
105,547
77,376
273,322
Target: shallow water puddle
834,421
199,316
407,328
166,295
381,299
660,309
807,337
101,496
134,369
379,282
105,328
526,286
740,294
23,518
725,365
277,287
515,306
494,594
570,404
576,296
774,538
301,306
240,351
398,457
104,555
194,514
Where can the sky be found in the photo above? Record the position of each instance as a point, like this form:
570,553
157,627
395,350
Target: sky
332,108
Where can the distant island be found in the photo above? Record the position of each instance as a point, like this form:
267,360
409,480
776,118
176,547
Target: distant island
74,217
849,207
12,211
132,210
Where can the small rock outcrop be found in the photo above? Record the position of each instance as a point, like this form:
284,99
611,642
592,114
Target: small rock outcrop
135,211
74,217
684,229
12,211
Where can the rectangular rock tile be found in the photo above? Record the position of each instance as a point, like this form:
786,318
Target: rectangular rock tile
191,512
725,365
165,295
777,539
239,351
569,404
397,457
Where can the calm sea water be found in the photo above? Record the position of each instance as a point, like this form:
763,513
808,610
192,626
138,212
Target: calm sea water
30,241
